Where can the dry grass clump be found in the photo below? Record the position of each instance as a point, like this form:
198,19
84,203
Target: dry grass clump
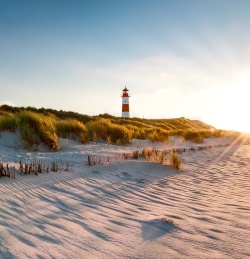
120,134
193,136
157,134
109,128
98,129
136,132
35,127
94,160
108,140
145,154
72,128
219,133
196,136
104,128
168,220
175,161
8,122
158,156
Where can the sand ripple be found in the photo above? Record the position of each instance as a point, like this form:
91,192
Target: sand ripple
117,210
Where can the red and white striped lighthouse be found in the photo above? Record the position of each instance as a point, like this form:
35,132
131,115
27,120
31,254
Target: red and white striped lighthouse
125,103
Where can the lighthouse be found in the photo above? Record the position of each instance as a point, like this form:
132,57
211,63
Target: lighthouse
125,103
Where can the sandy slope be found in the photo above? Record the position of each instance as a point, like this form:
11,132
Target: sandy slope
115,210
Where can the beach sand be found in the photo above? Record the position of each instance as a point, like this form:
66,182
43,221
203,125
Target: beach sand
126,208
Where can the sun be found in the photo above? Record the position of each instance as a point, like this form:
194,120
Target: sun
231,122
233,105
241,102
242,126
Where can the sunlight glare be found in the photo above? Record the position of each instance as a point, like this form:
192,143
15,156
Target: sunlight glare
235,105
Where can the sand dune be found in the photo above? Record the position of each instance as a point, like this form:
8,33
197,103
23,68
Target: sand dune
119,209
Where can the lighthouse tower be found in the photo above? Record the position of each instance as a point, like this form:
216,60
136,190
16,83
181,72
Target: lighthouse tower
125,103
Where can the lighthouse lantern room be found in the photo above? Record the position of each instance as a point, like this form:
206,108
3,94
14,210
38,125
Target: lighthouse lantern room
125,103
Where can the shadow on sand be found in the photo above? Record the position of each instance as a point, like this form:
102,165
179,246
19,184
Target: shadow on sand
156,228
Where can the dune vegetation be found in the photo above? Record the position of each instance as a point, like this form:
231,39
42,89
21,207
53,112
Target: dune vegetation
46,125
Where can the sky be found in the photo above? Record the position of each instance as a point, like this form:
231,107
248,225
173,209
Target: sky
178,58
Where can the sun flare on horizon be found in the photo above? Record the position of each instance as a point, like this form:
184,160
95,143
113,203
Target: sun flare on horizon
234,105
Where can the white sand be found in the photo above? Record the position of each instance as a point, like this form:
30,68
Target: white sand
115,210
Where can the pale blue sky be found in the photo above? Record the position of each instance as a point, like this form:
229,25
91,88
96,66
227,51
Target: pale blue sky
178,58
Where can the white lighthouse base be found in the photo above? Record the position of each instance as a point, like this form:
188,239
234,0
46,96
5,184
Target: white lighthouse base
125,114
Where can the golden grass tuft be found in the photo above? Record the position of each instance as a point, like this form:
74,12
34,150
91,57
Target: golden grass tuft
109,128
35,127
72,128
8,122
104,128
175,161
168,220
157,134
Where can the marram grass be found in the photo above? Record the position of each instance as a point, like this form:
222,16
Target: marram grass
104,128
72,128
8,123
46,125
175,161
36,127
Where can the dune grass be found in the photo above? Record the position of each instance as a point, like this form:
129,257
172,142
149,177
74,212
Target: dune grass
136,132
47,125
175,161
157,134
104,129
8,122
168,219
35,128
71,128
